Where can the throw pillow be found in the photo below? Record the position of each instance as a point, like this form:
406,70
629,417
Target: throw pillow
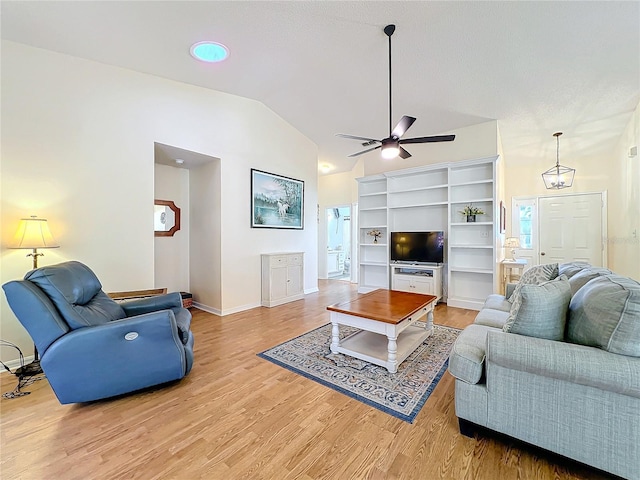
541,310
571,268
605,313
580,279
535,276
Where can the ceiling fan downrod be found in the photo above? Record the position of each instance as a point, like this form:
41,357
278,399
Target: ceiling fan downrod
388,30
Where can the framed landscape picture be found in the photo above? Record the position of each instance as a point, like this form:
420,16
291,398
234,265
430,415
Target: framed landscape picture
276,201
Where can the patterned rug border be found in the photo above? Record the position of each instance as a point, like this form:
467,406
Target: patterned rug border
407,418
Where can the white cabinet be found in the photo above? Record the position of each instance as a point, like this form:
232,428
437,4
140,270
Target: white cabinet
335,262
417,279
282,278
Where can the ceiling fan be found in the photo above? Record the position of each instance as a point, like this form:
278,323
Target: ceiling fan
391,146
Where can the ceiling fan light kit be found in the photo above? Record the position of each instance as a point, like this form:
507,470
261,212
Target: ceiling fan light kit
558,176
391,146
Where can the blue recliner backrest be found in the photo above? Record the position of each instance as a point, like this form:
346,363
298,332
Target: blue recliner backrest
36,313
77,294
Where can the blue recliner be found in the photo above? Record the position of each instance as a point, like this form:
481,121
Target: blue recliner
92,347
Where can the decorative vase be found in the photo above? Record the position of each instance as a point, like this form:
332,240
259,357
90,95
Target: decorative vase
471,218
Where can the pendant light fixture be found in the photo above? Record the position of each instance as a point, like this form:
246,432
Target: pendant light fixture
558,177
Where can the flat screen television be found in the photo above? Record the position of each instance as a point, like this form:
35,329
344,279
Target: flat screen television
417,247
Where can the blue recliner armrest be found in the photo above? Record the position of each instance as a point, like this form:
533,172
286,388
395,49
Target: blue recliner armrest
152,304
126,355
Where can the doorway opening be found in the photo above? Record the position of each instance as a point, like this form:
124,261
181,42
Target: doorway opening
339,262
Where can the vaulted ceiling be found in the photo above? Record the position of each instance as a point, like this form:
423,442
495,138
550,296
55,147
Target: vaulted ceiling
536,67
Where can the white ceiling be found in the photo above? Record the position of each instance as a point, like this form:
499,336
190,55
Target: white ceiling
536,67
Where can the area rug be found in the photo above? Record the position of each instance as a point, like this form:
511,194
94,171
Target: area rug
400,394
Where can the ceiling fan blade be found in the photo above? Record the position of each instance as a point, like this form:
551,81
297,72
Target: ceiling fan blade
402,126
364,151
353,137
403,153
437,138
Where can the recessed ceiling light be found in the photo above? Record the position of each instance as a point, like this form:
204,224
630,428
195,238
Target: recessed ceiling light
179,161
209,51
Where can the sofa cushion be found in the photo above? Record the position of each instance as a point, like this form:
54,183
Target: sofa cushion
466,361
491,317
571,268
541,310
605,313
496,301
580,279
535,276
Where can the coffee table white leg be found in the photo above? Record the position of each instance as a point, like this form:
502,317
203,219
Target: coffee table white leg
429,325
335,337
392,350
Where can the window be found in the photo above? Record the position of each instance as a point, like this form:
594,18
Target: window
525,220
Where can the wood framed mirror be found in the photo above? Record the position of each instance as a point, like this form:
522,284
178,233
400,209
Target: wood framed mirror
166,218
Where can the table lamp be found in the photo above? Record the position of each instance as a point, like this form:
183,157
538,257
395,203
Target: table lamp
34,233
512,243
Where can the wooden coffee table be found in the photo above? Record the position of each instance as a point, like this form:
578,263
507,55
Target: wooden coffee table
386,319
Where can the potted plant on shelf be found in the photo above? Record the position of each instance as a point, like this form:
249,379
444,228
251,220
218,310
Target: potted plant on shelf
375,234
470,212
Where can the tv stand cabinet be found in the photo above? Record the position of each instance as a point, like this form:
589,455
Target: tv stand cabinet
417,278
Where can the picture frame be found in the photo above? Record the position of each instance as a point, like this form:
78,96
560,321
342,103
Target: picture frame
503,218
276,201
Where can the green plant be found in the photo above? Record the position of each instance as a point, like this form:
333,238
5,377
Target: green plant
471,210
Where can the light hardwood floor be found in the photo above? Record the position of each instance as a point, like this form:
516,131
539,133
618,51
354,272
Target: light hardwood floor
237,416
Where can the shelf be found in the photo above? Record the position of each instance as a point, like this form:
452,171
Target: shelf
372,208
454,224
369,227
418,189
372,194
471,246
417,205
373,244
375,264
472,200
471,270
475,182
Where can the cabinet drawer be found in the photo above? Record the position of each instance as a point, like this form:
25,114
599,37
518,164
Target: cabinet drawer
278,261
294,259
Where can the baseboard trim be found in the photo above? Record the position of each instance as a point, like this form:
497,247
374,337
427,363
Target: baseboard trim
207,308
13,364
222,313
311,290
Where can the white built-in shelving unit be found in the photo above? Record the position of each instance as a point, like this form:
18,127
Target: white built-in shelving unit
372,215
430,198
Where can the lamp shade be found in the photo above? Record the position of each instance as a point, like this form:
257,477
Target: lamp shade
32,233
512,242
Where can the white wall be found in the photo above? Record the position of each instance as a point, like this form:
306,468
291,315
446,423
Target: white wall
171,254
623,238
206,234
78,148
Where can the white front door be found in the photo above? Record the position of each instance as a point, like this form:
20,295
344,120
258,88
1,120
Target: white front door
570,229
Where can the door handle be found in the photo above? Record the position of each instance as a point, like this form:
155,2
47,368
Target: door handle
541,253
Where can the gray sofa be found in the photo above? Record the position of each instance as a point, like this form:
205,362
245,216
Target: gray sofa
577,395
